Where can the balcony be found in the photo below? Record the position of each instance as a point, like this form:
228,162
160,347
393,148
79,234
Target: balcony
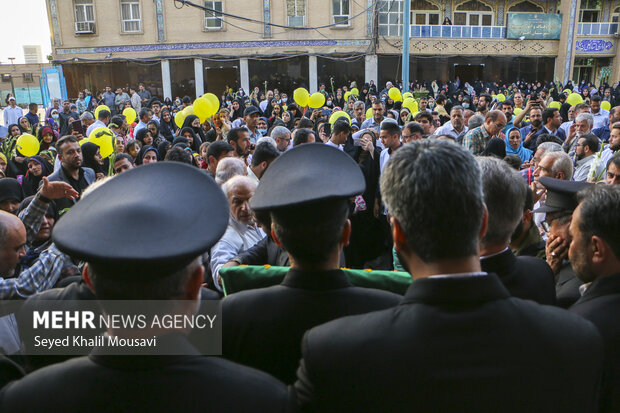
458,32
597,29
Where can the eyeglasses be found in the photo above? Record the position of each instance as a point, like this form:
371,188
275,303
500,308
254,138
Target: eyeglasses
546,224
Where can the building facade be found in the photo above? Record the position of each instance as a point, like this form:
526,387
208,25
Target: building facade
176,49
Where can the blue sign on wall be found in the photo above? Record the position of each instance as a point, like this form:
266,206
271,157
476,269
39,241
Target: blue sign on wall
534,26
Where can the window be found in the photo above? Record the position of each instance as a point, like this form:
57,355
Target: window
296,13
340,12
213,19
473,13
84,16
615,18
424,12
590,11
130,16
526,7
390,12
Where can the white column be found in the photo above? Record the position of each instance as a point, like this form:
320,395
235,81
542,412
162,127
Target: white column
165,78
371,68
199,78
244,74
314,78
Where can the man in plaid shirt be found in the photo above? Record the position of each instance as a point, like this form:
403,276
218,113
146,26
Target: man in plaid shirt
475,141
16,235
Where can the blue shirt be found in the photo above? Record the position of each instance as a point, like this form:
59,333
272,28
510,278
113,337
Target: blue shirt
602,133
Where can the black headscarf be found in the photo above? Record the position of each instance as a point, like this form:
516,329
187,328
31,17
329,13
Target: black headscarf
31,182
143,152
238,113
89,150
167,128
162,149
10,189
197,130
141,134
195,146
496,148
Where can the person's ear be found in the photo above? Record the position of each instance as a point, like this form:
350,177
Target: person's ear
346,233
192,290
527,217
485,223
599,250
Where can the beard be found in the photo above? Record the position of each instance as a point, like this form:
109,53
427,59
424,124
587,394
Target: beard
615,147
579,262
537,123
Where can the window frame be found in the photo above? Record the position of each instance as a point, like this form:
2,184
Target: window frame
396,11
599,12
130,3
347,16
468,15
427,14
84,5
214,16
296,11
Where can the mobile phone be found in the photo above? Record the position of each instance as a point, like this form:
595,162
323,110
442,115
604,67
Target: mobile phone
76,126
357,137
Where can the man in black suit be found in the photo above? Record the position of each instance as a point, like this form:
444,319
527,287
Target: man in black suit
504,190
595,254
306,190
166,267
458,341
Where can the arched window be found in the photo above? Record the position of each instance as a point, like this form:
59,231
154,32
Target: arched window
424,12
473,13
615,17
526,7
590,11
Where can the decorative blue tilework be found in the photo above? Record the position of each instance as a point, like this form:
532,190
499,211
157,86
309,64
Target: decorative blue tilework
369,17
568,63
466,31
212,45
159,12
426,31
475,32
486,32
267,18
436,31
55,25
456,31
594,46
496,32
415,31
500,12
503,33
446,31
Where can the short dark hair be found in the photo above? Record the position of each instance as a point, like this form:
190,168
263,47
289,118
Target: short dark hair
309,232
440,99
63,140
600,215
341,126
595,98
33,105
548,113
415,127
302,136
486,96
103,114
409,187
123,156
591,141
514,161
264,152
233,134
547,137
305,123
144,112
178,154
217,148
390,127
615,160
424,114
506,103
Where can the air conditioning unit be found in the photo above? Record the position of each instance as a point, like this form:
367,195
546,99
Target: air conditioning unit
84,27
27,77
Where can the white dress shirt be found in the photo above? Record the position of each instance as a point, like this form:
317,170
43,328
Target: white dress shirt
448,129
330,143
237,238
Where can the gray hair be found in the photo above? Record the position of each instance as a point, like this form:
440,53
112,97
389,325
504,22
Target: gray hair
279,132
358,103
457,107
227,168
475,121
237,180
86,115
585,116
504,195
562,162
268,139
433,188
550,147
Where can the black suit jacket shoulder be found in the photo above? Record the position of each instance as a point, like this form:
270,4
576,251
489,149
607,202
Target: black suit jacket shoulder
600,304
529,278
263,328
453,344
189,383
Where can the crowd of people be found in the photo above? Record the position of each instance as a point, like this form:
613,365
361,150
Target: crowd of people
500,200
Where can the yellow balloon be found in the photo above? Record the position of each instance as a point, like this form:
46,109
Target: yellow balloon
301,97
501,97
130,114
346,96
100,108
407,95
574,99
567,91
104,138
337,115
316,100
556,105
408,103
394,94
203,109
189,111
368,113
605,105
517,111
179,118
355,92
27,145
214,103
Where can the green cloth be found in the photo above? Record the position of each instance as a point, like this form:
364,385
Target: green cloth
235,279
532,245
